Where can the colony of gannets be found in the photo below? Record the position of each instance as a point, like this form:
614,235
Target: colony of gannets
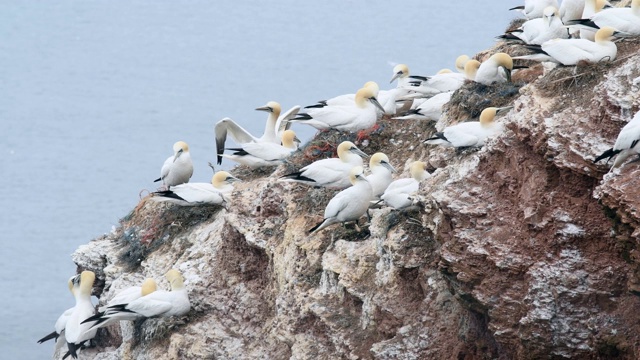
551,33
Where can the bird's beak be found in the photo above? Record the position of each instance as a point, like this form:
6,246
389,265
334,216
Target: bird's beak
503,110
265,108
376,103
231,179
508,72
296,140
622,34
359,152
177,155
389,167
397,75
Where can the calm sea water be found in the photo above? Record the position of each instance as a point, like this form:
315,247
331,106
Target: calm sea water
94,93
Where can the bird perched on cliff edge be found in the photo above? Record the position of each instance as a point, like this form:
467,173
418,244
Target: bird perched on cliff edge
216,192
626,143
398,193
534,8
626,20
495,69
380,176
537,31
76,332
263,154
158,303
177,169
108,316
470,133
349,204
272,131
572,51
330,173
360,115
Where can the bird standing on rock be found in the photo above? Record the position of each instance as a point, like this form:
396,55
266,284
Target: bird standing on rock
330,173
398,193
626,143
177,169
349,204
276,124
360,115
496,69
470,133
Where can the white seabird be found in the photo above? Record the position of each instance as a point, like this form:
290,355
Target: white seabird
534,8
470,133
591,7
177,169
461,61
349,204
625,20
496,69
400,73
216,192
430,109
330,173
539,30
106,316
572,51
398,193
381,174
275,125
75,332
571,10
359,116
436,84
626,143
159,303
262,154
471,69
58,333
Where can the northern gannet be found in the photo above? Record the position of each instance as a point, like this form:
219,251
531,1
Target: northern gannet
624,20
572,51
261,154
349,204
437,84
471,69
360,116
570,10
241,136
591,7
380,176
106,316
534,8
58,333
159,303
216,192
401,73
496,69
75,332
431,109
177,169
331,173
398,193
626,143
461,61
470,133
386,98
536,31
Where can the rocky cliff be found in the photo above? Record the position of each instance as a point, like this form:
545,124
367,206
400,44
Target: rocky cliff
522,250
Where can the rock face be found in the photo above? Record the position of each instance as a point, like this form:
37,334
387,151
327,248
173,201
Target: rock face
522,250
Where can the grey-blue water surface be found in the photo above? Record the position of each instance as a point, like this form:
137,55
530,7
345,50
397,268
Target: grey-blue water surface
94,93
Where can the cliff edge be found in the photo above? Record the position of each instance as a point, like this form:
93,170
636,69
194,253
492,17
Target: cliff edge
524,249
